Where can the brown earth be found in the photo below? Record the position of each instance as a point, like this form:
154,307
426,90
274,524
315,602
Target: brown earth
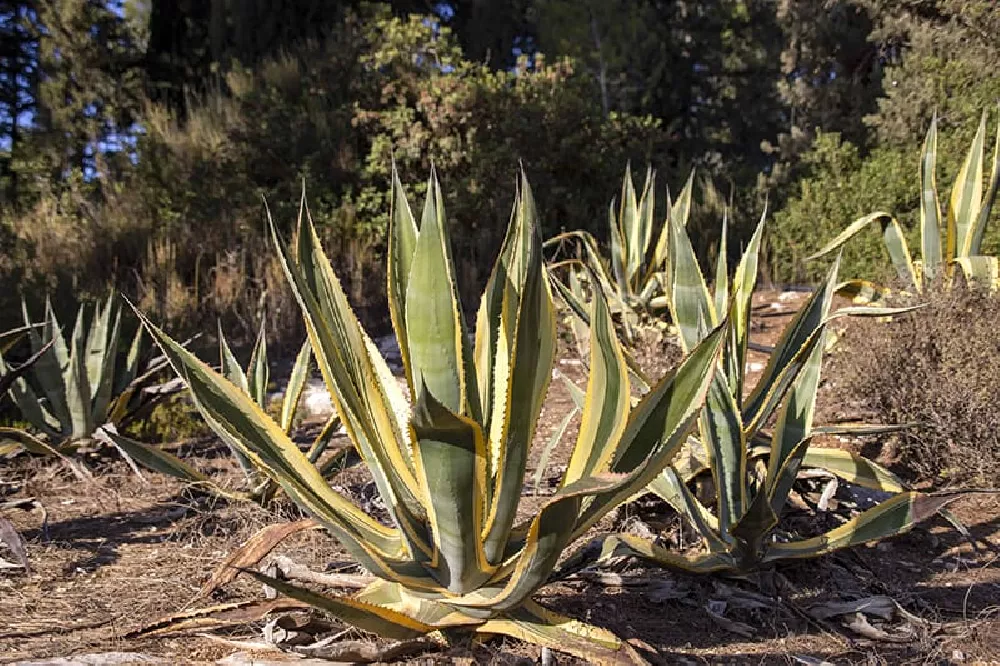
116,554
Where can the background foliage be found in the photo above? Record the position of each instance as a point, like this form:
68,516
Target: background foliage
138,137
938,56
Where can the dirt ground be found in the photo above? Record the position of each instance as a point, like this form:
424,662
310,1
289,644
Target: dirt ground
113,555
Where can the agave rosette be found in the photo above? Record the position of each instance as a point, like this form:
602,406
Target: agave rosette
452,553
753,470
77,385
639,257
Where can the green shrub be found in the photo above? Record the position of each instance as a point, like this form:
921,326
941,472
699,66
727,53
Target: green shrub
181,230
842,186
173,420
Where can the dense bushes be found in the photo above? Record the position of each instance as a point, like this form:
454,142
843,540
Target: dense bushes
841,188
182,230
173,217
936,56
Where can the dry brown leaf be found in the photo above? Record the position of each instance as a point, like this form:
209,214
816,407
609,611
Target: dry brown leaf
253,551
880,606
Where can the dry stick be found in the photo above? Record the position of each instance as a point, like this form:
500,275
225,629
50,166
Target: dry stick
27,504
295,571
773,314
7,380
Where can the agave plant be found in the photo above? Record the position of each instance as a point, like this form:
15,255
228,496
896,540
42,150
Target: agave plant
76,386
753,471
452,554
8,339
253,382
639,262
964,225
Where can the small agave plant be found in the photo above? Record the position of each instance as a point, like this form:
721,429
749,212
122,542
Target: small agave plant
640,255
78,385
965,220
453,553
753,471
253,381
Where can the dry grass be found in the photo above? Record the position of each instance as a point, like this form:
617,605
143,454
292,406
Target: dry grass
119,554
939,366
183,273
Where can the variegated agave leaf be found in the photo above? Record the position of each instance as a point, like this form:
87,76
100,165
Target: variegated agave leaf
968,212
732,442
451,469
253,381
